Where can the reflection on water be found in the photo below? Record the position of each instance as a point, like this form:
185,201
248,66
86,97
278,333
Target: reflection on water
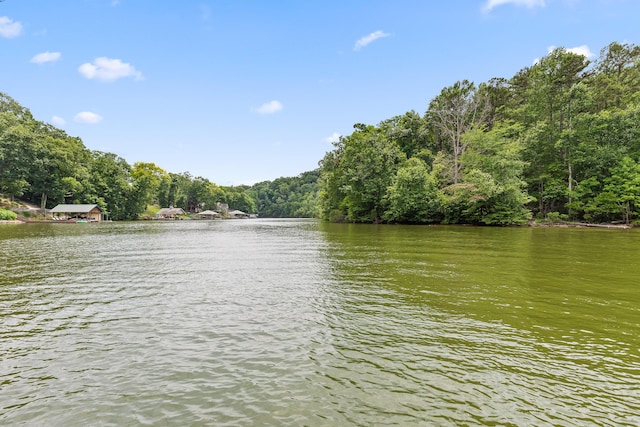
295,322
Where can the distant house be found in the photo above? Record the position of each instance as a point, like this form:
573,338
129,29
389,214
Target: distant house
87,212
208,214
169,213
234,213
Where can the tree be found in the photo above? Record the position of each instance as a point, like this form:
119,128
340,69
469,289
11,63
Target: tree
410,132
413,196
356,175
287,197
554,99
617,75
493,191
621,193
456,110
113,185
147,179
16,154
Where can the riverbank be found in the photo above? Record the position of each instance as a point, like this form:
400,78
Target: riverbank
581,225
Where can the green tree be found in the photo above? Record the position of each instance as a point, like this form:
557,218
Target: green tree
16,155
357,175
621,194
113,185
493,191
617,75
147,180
410,132
413,197
457,110
554,98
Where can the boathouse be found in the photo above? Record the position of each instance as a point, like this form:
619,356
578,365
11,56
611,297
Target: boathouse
86,212
208,214
169,213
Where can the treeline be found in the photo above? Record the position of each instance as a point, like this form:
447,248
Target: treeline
295,197
41,164
558,140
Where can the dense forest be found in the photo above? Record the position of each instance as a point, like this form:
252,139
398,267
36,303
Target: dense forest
560,140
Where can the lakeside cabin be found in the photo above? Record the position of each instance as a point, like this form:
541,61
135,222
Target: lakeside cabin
169,213
63,212
234,213
208,214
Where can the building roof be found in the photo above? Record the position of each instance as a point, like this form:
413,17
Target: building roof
170,211
208,212
62,208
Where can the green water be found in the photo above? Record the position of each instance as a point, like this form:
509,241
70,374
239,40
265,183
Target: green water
296,322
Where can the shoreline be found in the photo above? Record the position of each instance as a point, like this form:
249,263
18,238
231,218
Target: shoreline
529,224
582,225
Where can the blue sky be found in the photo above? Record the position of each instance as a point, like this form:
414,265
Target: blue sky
245,91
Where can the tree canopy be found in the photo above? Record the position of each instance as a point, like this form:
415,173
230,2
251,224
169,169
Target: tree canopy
559,139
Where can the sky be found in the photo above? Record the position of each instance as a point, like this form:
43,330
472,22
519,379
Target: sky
243,91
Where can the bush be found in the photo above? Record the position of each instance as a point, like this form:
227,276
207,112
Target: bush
556,218
6,215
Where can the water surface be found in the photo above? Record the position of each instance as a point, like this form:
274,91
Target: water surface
296,322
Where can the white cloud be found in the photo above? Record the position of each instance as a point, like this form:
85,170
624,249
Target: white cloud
43,57
108,70
270,107
580,50
8,28
87,117
366,40
58,121
490,4
335,137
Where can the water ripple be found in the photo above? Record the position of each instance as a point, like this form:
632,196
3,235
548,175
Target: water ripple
229,323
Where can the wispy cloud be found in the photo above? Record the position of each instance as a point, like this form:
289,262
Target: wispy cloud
366,40
491,4
270,107
9,28
88,117
108,70
580,50
43,57
58,121
335,137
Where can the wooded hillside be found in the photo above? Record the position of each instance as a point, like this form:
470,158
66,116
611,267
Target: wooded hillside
560,140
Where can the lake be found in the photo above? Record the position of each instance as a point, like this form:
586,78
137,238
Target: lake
303,323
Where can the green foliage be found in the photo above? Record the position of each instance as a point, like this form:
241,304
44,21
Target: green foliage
43,165
557,138
6,215
357,176
413,197
294,197
621,193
